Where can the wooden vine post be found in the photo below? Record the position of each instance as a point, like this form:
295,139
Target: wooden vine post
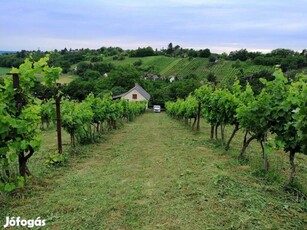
58,117
198,116
17,94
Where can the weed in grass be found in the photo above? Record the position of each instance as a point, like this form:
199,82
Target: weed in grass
202,162
297,189
243,161
55,159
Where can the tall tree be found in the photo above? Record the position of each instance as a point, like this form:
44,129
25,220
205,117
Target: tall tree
170,49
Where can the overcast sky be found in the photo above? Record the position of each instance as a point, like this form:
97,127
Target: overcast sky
221,25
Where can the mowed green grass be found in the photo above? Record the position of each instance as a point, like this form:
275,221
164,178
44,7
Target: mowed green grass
64,78
155,173
4,71
67,78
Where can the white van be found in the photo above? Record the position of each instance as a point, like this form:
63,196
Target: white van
157,108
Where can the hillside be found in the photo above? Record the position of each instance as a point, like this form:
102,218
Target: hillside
6,52
180,63
168,66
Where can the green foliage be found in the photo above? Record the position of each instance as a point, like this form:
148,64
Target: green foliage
75,117
286,59
102,67
297,96
212,59
182,88
91,74
254,79
203,95
84,121
204,53
78,89
51,75
8,187
55,159
236,64
82,67
20,116
183,109
124,76
142,52
96,59
138,62
47,112
274,110
253,116
211,77
280,109
241,55
121,77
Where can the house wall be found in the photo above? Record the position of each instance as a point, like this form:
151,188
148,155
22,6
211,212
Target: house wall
139,97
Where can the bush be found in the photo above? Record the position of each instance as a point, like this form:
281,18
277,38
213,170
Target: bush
138,62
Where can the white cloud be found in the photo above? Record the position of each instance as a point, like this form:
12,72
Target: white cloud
216,24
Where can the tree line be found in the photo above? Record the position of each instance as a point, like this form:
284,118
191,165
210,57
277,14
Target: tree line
286,58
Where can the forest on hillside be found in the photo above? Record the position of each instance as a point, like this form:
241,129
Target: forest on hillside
115,70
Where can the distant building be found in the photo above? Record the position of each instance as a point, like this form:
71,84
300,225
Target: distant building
137,93
151,76
173,78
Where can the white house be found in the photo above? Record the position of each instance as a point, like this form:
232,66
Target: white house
172,78
137,93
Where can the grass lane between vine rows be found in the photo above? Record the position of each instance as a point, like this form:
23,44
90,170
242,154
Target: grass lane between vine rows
154,173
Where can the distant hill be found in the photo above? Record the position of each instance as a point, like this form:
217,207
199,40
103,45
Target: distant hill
5,52
181,67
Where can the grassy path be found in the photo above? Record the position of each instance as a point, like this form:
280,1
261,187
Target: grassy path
156,174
